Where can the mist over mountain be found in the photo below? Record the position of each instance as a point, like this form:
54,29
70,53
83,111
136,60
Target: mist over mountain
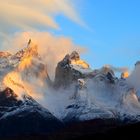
59,69
33,103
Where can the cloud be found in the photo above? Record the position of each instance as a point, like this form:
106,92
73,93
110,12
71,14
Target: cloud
31,15
134,78
22,19
51,48
34,14
118,69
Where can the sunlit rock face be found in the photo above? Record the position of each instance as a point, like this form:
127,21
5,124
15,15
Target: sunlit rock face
70,69
19,112
31,64
22,59
23,67
74,59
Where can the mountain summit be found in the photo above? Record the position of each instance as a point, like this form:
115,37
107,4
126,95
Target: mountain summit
70,69
31,103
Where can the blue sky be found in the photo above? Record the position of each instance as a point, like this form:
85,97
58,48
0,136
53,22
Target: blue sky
113,36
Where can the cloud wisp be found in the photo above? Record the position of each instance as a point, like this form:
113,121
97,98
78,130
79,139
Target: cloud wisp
34,14
51,48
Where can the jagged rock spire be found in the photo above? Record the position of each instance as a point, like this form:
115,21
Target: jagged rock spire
65,71
137,63
29,42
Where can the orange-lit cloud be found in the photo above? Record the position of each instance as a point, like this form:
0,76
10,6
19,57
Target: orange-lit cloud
31,14
14,81
125,74
27,17
51,48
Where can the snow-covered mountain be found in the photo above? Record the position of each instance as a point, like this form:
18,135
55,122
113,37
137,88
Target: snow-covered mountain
70,69
95,93
26,116
19,112
78,93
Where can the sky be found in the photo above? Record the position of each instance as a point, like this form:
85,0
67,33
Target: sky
108,29
113,34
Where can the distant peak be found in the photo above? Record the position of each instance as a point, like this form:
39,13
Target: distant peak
29,42
31,49
74,59
75,56
137,63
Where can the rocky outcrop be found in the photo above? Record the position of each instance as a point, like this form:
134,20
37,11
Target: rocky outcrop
70,69
26,61
24,116
104,74
31,63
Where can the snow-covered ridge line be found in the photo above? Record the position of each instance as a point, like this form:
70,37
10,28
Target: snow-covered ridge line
77,92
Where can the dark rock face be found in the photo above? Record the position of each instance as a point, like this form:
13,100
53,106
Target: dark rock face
137,63
65,74
29,122
8,98
104,74
26,116
71,68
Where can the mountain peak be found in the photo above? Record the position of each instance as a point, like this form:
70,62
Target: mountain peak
74,59
70,69
75,56
31,49
8,97
137,63
27,116
27,55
